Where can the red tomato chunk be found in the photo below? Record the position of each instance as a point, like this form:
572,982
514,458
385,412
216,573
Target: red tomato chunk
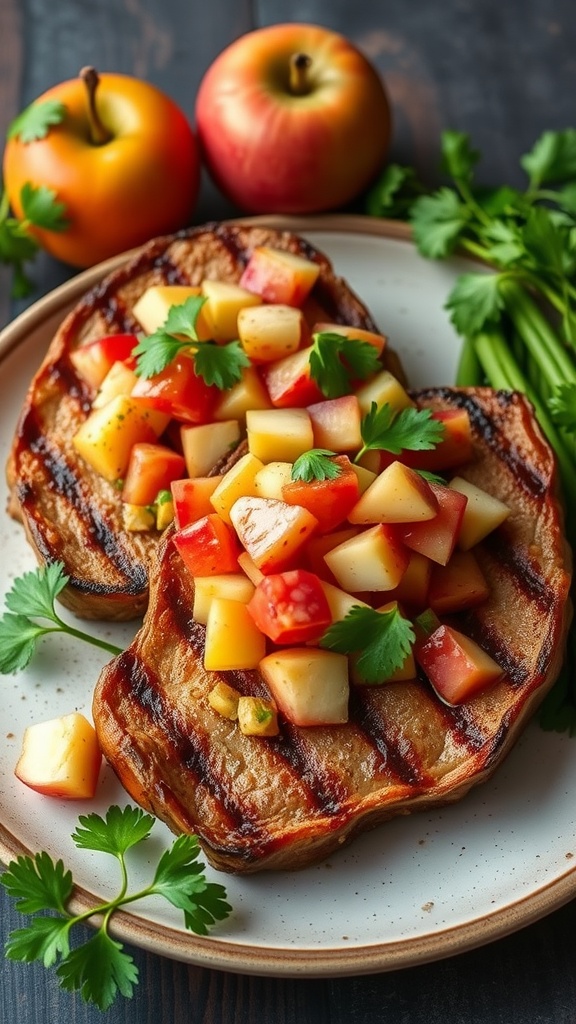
208,546
290,607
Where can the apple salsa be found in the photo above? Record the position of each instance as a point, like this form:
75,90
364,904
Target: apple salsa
340,536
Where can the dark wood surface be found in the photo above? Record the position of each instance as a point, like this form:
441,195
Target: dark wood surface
502,71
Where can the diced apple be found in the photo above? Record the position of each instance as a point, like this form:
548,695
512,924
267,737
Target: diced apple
224,700
191,497
336,423
257,716
119,380
384,389
270,480
164,510
271,332
279,276
372,560
340,602
204,445
483,513
105,438
456,666
248,565
331,500
224,302
354,333
230,586
397,495
61,758
271,531
436,538
233,641
458,585
289,382
310,686
365,477
237,481
94,360
153,306
279,435
247,393
412,591
318,547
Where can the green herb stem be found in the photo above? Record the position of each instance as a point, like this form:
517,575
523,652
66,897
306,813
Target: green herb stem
538,335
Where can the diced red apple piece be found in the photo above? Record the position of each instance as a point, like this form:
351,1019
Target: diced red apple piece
279,435
454,449
329,501
61,758
271,531
458,585
372,560
456,666
336,423
152,468
397,495
310,686
289,382
191,497
436,538
208,546
483,513
204,445
279,276
412,590
271,332
94,360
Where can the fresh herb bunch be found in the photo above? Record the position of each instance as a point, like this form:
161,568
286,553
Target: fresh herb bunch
517,314
99,968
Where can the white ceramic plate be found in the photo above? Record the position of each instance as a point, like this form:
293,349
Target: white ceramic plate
414,890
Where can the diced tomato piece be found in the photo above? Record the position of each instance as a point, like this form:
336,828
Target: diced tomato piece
208,546
456,666
454,449
191,497
290,607
151,468
179,391
436,538
94,360
329,501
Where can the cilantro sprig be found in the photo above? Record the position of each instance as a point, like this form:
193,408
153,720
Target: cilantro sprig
42,209
100,969
383,638
386,429
32,614
336,360
218,365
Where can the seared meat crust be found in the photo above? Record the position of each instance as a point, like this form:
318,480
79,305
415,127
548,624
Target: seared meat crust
287,802
71,514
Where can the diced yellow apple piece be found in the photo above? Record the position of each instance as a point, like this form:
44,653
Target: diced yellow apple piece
279,435
119,380
271,531
233,640
365,477
224,700
272,331
384,389
483,513
224,302
153,306
458,585
397,495
204,445
247,393
340,602
107,436
231,586
412,591
336,423
137,518
257,716
237,481
372,560
279,276
317,547
310,686
61,757
270,480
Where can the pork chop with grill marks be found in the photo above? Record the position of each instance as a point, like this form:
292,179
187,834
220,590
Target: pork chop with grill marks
68,511
287,802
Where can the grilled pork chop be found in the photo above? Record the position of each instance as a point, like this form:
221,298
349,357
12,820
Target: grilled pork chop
68,511
286,802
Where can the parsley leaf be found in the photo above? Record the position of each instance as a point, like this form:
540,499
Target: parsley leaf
35,121
316,464
458,157
385,429
220,365
552,158
100,969
32,597
41,207
438,222
475,301
394,192
335,360
385,639
562,405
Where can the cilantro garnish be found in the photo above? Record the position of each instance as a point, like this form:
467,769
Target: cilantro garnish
17,244
385,639
336,360
316,464
32,615
36,120
220,365
386,429
100,969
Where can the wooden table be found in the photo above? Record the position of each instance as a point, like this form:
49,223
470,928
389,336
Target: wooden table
504,73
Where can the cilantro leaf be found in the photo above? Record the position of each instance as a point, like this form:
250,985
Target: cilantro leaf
37,883
154,352
336,360
562,405
18,637
385,639
35,121
316,464
180,880
182,319
220,365
99,969
385,429
45,939
458,156
34,593
552,158
41,208
394,192
116,833
475,301
438,222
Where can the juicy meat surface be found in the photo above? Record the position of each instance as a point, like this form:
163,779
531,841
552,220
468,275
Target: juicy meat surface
286,802
68,511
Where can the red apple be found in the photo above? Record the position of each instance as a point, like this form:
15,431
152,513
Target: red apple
123,161
292,118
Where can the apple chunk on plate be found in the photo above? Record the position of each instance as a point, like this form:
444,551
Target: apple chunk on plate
279,276
309,686
61,758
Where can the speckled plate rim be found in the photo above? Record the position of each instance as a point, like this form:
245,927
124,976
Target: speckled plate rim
260,960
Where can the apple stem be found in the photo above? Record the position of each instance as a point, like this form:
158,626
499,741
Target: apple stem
299,78
99,135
